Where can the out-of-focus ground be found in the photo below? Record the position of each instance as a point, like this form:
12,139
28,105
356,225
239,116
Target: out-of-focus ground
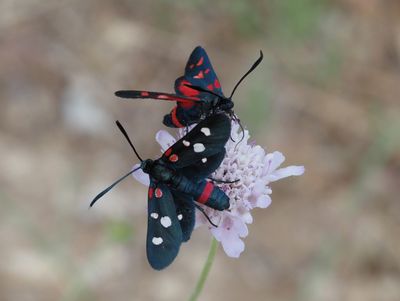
326,95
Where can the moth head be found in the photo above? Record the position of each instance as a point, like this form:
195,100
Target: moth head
225,104
146,165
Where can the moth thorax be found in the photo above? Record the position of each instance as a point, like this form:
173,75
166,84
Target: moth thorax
161,173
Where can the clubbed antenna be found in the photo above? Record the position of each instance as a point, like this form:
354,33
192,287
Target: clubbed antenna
121,128
111,187
256,63
254,66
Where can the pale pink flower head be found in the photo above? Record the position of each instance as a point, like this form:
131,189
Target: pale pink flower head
254,168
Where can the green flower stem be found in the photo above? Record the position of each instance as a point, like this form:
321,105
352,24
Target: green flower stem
206,270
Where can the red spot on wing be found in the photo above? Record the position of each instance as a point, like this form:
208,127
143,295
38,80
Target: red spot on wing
200,61
144,93
186,105
210,87
171,97
168,152
185,90
158,193
203,198
151,190
191,66
199,75
207,70
217,84
173,158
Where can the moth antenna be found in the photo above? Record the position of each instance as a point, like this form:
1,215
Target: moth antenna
111,187
205,214
256,63
121,128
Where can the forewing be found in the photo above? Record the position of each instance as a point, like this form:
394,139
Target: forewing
203,168
198,72
206,139
164,233
185,211
157,95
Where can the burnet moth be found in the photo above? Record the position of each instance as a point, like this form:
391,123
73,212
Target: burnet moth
178,182
198,92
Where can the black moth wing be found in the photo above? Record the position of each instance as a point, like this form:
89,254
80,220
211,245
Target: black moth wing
164,233
203,168
206,139
185,211
198,72
156,95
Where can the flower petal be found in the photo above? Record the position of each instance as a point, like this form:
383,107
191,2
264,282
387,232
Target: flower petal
240,228
200,219
263,201
287,172
247,218
140,176
273,161
232,245
165,140
258,188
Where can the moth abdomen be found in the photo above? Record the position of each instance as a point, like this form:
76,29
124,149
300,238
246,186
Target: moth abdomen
203,192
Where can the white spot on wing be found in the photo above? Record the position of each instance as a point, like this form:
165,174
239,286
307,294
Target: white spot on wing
180,216
204,160
154,215
206,131
165,221
157,241
186,143
199,147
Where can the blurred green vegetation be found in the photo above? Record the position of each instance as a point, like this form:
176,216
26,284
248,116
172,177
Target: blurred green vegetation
294,21
255,107
119,231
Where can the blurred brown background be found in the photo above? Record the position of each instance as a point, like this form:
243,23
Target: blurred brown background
326,95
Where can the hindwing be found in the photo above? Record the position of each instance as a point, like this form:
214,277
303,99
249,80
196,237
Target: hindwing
185,211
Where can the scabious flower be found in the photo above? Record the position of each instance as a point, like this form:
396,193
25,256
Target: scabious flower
254,168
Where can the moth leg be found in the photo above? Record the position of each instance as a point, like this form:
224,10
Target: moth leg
242,129
203,110
205,214
222,181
